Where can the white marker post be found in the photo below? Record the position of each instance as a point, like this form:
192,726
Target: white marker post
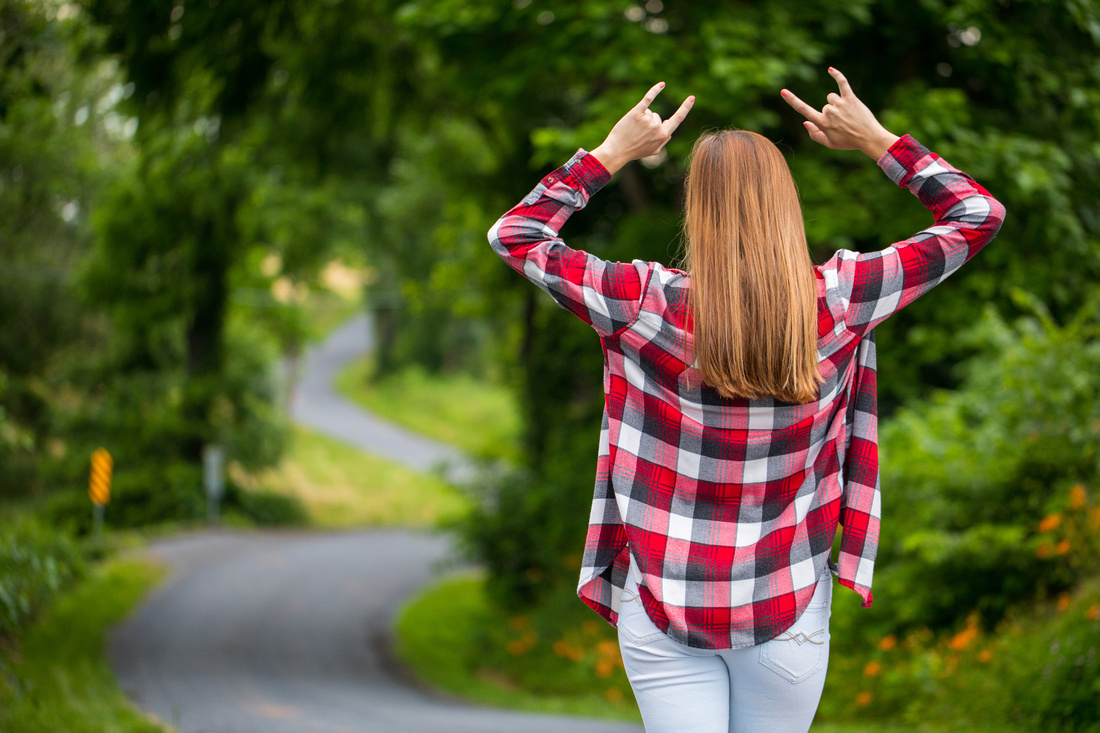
213,468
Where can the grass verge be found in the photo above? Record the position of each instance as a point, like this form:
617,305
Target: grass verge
343,487
564,660
480,418
55,677
453,638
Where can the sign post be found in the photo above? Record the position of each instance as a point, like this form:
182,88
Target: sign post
213,467
99,486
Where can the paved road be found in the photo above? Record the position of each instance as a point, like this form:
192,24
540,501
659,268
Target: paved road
289,632
318,406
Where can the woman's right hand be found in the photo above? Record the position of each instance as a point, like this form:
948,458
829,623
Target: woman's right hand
845,123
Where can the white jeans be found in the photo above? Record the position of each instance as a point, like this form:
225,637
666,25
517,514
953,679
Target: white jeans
773,687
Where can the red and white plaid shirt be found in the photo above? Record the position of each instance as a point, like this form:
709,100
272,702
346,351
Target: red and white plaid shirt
730,506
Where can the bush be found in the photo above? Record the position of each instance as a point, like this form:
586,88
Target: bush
264,508
990,493
1052,678
36,563
148,495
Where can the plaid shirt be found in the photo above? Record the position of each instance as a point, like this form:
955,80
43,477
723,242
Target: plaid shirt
730,506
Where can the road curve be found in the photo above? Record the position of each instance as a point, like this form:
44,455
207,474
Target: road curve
289,632
317,405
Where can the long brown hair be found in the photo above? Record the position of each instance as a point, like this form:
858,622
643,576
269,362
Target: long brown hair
753,291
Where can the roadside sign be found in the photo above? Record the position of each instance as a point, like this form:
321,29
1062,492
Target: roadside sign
99,482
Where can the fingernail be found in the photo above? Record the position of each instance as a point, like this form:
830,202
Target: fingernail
831,69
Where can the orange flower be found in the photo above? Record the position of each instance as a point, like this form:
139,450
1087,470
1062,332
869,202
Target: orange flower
985,656
608,649
1077,496
564,649
1043,550
1062,547
1093,612
1096,516
888,642
965,637
872,669
1063,602
604,668
614,694
1050,522
864,698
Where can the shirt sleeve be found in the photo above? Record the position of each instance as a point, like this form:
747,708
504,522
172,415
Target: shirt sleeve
869,287
606,295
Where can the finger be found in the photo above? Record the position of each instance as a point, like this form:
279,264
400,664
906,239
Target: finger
815,133
801,107
842,82
650,96
833,98
673,122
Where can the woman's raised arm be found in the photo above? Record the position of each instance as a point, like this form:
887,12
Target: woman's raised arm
866,288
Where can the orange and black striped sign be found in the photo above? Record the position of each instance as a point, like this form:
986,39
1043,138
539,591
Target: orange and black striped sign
99,484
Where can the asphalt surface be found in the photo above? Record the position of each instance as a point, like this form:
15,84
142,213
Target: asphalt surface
290,632
318,406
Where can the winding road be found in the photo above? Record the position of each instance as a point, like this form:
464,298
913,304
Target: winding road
290,632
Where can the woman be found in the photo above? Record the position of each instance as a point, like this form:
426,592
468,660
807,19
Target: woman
740,414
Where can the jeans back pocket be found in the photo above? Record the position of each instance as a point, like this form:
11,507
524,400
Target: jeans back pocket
803,649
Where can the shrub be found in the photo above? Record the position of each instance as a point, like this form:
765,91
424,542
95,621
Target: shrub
989,492
36,563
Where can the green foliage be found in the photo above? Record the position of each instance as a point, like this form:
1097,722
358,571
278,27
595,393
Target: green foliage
37,563
56,678
969,477
560,659
1052,678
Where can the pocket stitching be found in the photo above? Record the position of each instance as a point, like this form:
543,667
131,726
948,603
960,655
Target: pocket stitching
635,639
776,666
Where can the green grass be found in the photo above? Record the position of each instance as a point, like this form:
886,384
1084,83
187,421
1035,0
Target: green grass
327,311
480,418
343,487
452,638
55,678
564,660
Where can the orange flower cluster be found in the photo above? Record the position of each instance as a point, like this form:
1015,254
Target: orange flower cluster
888,642
571,652
1050,522
527,639
864,698
872,669
1077,497
609,658
966,637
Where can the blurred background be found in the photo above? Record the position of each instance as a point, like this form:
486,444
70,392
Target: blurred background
192,193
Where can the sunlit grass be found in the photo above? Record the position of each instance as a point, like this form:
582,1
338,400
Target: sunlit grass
342,486
565,661
56,677
452,637
476,416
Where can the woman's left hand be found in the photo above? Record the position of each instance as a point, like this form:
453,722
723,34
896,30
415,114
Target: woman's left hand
640,133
